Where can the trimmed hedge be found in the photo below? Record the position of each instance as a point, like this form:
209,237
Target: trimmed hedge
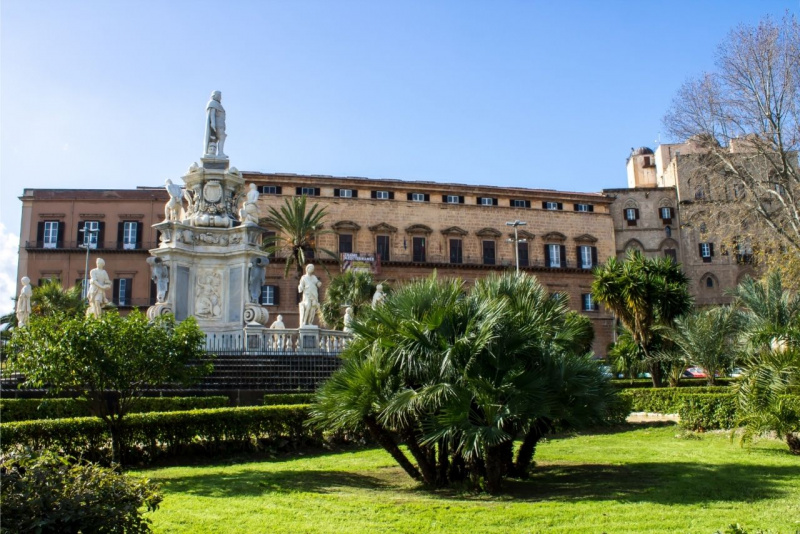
708,411
666,400
272,399
62,408
167,433
626,383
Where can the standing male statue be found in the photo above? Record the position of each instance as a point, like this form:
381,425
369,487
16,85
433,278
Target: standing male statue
214,143
24,302
249,213
98,283
309,287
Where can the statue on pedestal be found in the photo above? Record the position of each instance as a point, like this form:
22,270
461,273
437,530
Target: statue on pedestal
24,302
309,287
172,211
214,143
249,213
98,284
159,273
255,279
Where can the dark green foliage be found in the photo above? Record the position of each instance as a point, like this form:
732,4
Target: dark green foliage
59,408
155,434
666,400
708,411
624,383
352,288
46,493
273,399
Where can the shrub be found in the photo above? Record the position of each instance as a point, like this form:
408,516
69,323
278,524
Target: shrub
625,383
61,408
273,399
165,433
708,411
46,493
665,400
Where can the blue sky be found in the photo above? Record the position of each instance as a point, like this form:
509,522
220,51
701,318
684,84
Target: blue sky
111,94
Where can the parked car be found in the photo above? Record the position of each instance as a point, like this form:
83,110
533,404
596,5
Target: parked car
736,372
695,372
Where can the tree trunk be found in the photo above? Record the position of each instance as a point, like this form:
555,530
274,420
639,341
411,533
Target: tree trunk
387,442
793,440
528,448
116,441
458,468
444,464
495,468
427,469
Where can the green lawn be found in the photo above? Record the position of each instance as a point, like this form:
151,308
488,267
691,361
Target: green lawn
640,480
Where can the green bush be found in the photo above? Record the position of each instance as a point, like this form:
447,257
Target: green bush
164,433
46,493
665,400
61,408
708,411
619,409
272,399
626,383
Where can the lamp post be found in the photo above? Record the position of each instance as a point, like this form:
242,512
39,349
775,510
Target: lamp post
87,244
516,224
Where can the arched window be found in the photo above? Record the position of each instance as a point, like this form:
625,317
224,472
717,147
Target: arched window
668,231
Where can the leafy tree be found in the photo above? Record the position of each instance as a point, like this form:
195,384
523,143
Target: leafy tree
707,338
352,288
108,360
49,299
626,355
752,98
298,227
47,493
772,366
643,293
456,377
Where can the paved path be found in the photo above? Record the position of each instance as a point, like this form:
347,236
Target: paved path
647,417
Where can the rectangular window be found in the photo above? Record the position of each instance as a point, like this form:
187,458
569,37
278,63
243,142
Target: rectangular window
383,195
308,191
122,291
522,250
129,235
585,208
50,238
706,251
519,203
418,248
552,205
419,197
345,243
456,251
269,295
270,189
665,214
345,193
487,201
488,253
587,256
553,256
452,199
587,303
382,242
631,215
91,230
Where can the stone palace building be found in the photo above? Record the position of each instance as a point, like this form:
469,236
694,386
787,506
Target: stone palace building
413,228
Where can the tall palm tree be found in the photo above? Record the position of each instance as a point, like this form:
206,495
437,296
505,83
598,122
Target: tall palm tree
642,293
707,338
299,228
353,289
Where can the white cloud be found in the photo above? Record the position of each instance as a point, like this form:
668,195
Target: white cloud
9,252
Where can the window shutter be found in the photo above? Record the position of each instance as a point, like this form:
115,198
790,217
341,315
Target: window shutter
672,213
60,235
460,199
636,213
120,231
391,195
409,196
298,191
574,207
40,234
494,202
101,234
578,257
139,232
511,202
128,291
527,203
563,255
444,198
544,205
547,256
275,295
355,193
316,191
478,200
279,189
81,224
336,192
700,249
591,207
115,292
711,249
374,194
561,205
427,197
594,256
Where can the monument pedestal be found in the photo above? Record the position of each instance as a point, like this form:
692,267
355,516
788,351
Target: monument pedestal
308,337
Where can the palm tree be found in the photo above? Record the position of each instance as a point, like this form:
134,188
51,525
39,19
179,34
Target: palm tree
642,293
352,288
299,227
707,338
49,299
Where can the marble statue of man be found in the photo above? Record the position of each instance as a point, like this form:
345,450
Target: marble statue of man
378,297
309,287
172,211
249,213
159,273
215,127
255,279
98,284
24,302
278,323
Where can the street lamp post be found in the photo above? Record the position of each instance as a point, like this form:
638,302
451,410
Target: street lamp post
87,244
516,224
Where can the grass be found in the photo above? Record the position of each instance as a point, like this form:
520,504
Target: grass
651,479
